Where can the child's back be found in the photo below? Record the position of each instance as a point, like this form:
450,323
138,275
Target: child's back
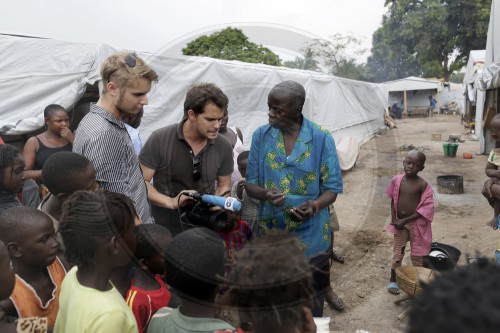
194,264
86,309
271,282
30,236
97,228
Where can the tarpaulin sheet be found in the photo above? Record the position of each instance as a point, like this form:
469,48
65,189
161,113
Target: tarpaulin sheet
38,72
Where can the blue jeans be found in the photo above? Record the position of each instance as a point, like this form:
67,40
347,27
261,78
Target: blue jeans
497,257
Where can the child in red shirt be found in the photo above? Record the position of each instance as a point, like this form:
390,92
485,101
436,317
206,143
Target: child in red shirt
148,293
237,233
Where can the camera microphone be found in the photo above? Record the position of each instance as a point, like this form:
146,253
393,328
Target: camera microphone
228,203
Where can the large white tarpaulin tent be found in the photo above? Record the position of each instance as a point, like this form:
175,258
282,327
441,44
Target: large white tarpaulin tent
474,94
490,77
473,73
38,72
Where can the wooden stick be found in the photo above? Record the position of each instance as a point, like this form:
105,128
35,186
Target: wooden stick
402,315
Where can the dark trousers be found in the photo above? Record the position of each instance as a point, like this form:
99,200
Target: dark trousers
321,279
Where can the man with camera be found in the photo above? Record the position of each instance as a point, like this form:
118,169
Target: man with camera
188,155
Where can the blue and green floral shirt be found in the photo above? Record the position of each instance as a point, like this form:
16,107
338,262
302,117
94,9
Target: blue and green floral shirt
311,169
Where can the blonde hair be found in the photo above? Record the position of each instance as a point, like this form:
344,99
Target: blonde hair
117,68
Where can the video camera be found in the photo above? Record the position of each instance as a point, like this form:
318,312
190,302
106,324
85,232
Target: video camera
201,215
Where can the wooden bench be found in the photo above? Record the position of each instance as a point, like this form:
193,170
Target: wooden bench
417,113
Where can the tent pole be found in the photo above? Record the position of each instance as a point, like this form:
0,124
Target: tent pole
406,104
438,101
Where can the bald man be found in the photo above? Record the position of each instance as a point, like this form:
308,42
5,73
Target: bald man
293,169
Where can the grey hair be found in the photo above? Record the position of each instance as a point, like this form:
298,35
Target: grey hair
293,88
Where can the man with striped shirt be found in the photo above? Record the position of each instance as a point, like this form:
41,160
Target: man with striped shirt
102,136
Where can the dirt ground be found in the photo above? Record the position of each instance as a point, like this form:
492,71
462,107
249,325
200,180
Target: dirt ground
364,210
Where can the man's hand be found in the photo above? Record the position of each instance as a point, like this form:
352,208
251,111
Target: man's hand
180,200
276,197
303,212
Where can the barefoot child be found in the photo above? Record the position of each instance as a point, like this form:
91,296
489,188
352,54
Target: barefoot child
412,211
148,293
11,176
30,238
97,229
492,187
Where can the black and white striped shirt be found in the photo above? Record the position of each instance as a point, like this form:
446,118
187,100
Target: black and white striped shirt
104,140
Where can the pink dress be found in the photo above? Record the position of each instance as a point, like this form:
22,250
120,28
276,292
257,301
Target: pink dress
422,231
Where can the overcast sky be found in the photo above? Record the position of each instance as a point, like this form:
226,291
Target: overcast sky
149,25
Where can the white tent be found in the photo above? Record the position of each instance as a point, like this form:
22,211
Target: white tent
38,72
412,83
421,89
473,93
473,72
490,77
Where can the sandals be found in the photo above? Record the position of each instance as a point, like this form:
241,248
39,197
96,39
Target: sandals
393,288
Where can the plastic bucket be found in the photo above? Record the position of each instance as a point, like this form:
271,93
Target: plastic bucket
450,149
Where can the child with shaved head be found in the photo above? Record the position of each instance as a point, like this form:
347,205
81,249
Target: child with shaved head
64,173
194,265
412,211
30,239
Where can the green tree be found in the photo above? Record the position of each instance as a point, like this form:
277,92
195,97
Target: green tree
390,58
457,77
231,44
338,52
428,37
338,55
307,61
